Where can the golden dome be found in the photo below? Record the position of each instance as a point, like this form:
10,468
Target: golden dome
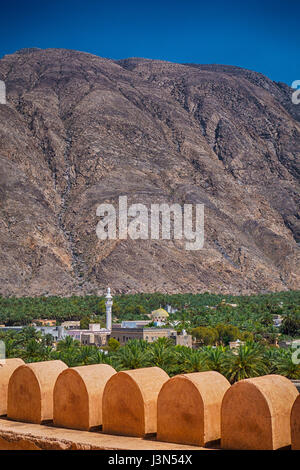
160,312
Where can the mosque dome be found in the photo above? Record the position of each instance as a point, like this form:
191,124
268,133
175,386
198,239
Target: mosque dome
160,313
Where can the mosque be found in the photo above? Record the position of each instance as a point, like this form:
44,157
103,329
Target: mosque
139,330
127,330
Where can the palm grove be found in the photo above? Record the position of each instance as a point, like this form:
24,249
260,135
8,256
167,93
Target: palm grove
210,318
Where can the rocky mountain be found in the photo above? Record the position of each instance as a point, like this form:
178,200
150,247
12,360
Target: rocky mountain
79,130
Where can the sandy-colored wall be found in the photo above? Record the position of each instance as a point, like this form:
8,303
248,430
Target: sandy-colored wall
295,424
6,370
256,414
77,400
189,408
30,391
130,401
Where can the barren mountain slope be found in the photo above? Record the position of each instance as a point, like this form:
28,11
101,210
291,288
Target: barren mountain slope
79,130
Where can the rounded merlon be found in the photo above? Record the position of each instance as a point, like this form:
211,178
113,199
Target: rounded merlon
256,413
130,401
77,398
189,408
6,370
30,391
295,424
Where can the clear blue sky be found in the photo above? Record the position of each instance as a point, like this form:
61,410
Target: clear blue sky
260,35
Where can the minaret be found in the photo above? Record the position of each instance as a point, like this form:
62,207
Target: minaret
108,304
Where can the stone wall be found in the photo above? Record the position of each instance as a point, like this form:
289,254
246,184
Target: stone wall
200,409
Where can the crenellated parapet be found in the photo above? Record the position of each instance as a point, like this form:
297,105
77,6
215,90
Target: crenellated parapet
193,410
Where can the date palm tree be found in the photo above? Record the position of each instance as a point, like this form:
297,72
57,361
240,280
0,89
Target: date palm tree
272,356
132,355
11,348
67,343
33,351
87,355
245,362
71,356
288,367
191,360
161,354
214,358
104,357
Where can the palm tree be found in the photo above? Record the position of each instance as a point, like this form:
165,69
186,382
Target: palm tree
110,358
67,343
48,339
11,348
191,360
132,355
87,355
245,362
287,367
71,356
184,321
161,354
28,333
33,351
214,358
272,356
46,353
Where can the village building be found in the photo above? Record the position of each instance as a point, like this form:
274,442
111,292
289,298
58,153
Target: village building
123,335
87,336
95,338
43,322
71,324
277,320
58,332
236,344
133,323
171,309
